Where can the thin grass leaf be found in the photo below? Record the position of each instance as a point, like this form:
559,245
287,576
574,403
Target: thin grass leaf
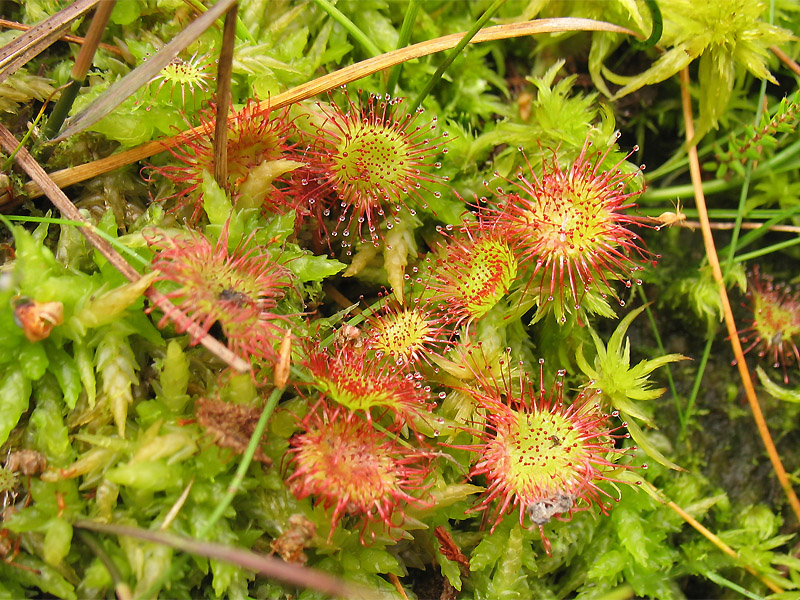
776,391
351,27
766,227
642,442
768,250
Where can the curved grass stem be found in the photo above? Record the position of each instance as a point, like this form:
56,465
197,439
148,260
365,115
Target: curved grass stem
67,177
120,247
658,27
713,259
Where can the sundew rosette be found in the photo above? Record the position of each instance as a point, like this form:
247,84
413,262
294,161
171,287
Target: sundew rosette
193,77
240,289
260,151
539,456
774,328
350,468
570,229
359,380
408,333
472,274
367,162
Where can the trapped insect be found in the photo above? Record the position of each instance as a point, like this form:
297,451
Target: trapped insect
669,218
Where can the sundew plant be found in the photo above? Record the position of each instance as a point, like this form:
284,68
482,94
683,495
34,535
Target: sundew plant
408,299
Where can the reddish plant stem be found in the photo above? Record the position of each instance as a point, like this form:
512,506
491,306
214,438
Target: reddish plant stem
398,586
713,260
786,60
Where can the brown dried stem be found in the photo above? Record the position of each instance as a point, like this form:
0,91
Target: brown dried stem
268,566
786,60
86,56
398,586
81,67
722,226
733,336
224,74
39,37
73,39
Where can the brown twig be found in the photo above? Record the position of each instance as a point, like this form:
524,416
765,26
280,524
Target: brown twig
96,29
746,225
733,336
68,210
786,60
67,177
268,566
73,39
81,67
224,74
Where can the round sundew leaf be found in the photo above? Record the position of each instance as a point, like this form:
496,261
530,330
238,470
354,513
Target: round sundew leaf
240,288
371,160
774,329
359,380
473,276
